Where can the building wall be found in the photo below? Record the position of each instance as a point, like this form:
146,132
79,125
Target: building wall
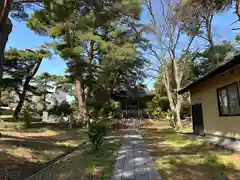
206,93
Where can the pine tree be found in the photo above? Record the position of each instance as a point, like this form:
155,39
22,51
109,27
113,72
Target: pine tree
20,68
89,36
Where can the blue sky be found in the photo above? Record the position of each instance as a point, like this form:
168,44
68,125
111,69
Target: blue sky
22,38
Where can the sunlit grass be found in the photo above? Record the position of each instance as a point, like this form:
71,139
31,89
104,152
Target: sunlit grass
179,140
24,148
35,146
19,126
6,116
84,164
187,129
178,157
69,143
22,152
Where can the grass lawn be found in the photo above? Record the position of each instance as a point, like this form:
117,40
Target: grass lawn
179,158
83,165
24,151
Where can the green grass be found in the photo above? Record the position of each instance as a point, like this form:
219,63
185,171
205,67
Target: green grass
26,149
187,129
20,127
85,165
181,158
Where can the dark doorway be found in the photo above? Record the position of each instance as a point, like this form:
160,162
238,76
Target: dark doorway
197,118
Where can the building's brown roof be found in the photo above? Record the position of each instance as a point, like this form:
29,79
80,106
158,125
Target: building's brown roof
234,62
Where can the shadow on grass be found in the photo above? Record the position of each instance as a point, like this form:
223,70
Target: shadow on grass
12,168
178,157
57,126
19,168
36,126
20,119
28,155
21,157
26,143
86,165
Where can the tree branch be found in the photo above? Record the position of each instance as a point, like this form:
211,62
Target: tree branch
148,4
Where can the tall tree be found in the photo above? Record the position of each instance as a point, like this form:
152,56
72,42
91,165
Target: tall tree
88,32
169,33
199,22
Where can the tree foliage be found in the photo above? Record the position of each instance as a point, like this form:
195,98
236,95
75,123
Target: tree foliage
99,40
19,69
203,62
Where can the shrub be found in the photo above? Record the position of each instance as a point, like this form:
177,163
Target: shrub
211,159
63,109
96,133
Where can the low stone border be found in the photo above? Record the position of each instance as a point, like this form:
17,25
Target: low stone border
54,161
219,141
219,136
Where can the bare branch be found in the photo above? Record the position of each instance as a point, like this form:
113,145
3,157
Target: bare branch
190,43
152,69
175,43
148,5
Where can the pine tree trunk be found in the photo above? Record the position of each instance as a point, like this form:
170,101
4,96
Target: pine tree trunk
22,98
88,90
79,93
5,6
5,29
25,88
4,33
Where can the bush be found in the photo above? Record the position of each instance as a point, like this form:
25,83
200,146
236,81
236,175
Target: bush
62,109
96,133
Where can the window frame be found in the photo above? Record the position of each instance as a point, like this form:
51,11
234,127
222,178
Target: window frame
218,99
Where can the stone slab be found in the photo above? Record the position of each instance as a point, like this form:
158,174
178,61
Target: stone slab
133,161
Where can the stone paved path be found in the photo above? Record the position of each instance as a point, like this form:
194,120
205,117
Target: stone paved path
133,161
